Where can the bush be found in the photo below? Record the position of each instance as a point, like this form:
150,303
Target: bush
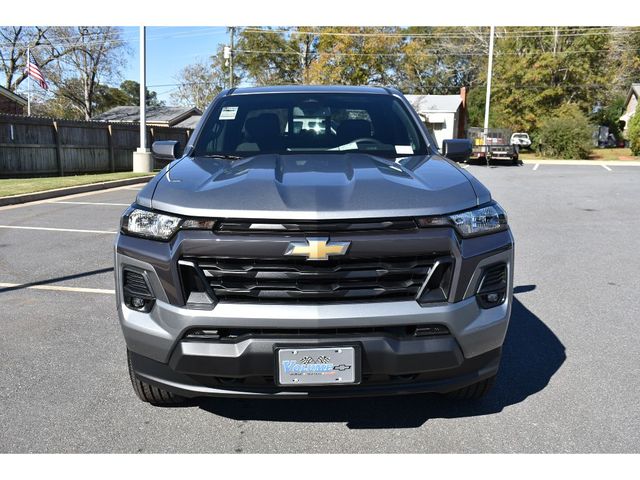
566,135
634,134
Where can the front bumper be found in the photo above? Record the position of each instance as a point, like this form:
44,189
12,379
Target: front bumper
245,366
469,371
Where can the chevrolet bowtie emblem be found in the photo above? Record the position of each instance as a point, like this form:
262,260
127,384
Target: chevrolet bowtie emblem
317,248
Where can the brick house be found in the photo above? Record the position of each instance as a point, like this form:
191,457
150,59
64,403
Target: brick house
12,103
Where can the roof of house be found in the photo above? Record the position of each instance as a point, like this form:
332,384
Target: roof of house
13,96
159,115
435,103
635,89
190,122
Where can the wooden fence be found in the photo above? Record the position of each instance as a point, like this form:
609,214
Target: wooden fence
31,146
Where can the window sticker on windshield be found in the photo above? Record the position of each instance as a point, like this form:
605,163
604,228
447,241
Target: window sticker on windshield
404,149
346,146
228,113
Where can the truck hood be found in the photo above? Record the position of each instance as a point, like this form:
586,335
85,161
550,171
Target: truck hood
311,187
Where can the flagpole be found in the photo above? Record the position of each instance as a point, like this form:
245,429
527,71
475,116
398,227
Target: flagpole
28,82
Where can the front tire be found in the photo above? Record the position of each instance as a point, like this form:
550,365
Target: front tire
150,393
474,391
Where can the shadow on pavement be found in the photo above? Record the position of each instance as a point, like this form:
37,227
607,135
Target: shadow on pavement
532,354
495,163
49,281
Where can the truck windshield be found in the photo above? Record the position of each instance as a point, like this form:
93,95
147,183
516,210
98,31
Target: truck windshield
288,123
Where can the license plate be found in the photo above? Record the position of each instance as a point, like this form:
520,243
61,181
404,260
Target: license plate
316,366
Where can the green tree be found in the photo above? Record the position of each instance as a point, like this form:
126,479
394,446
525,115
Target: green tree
356,56
609,115
568,134
634,134
127,94
624,58
272,56
131,89
54,106
536,74
440,60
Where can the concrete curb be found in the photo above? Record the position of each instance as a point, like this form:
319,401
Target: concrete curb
61,192
609,163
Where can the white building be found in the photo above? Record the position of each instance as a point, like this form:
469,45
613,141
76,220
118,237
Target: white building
444,115
631,105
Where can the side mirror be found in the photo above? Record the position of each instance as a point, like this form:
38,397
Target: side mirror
458,150
165,149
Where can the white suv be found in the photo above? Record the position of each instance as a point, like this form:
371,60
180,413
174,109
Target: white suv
521,139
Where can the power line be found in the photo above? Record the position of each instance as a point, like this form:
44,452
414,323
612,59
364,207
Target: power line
504,33
117,38
431,52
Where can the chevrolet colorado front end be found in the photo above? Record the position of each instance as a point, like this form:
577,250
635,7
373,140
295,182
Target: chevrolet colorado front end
311,241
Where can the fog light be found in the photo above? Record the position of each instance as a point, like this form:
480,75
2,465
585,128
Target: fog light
493,297
136,290
492,290
137,302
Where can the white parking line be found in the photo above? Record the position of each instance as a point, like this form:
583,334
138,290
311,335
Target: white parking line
94,203
464,166
58,288
57,229
605,167
535,167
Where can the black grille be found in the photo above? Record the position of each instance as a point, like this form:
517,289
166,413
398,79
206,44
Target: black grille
135,284
296,280
495,278
234,334
254,227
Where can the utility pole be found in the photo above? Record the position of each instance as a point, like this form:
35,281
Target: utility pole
487,102
142,158
232,32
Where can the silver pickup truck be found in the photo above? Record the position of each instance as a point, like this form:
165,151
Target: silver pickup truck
312,242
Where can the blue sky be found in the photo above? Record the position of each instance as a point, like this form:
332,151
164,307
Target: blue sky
168,50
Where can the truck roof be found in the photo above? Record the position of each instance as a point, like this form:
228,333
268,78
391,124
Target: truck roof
311,89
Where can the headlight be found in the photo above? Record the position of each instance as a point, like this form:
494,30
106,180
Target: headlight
489,219
158,226
482,220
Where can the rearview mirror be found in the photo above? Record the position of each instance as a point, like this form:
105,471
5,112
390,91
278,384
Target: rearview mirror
458,149
165,149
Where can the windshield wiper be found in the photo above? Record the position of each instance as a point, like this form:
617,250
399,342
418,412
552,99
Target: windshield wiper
222,156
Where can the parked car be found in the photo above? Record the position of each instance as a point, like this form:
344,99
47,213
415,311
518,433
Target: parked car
521,139
605,139
272,261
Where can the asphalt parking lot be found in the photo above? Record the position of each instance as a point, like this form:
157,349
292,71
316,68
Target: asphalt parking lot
569,379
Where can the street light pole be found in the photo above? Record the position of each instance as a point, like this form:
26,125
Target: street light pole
142,158
488,97
143,83
231,35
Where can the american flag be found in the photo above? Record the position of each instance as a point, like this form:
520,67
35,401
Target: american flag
34,72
